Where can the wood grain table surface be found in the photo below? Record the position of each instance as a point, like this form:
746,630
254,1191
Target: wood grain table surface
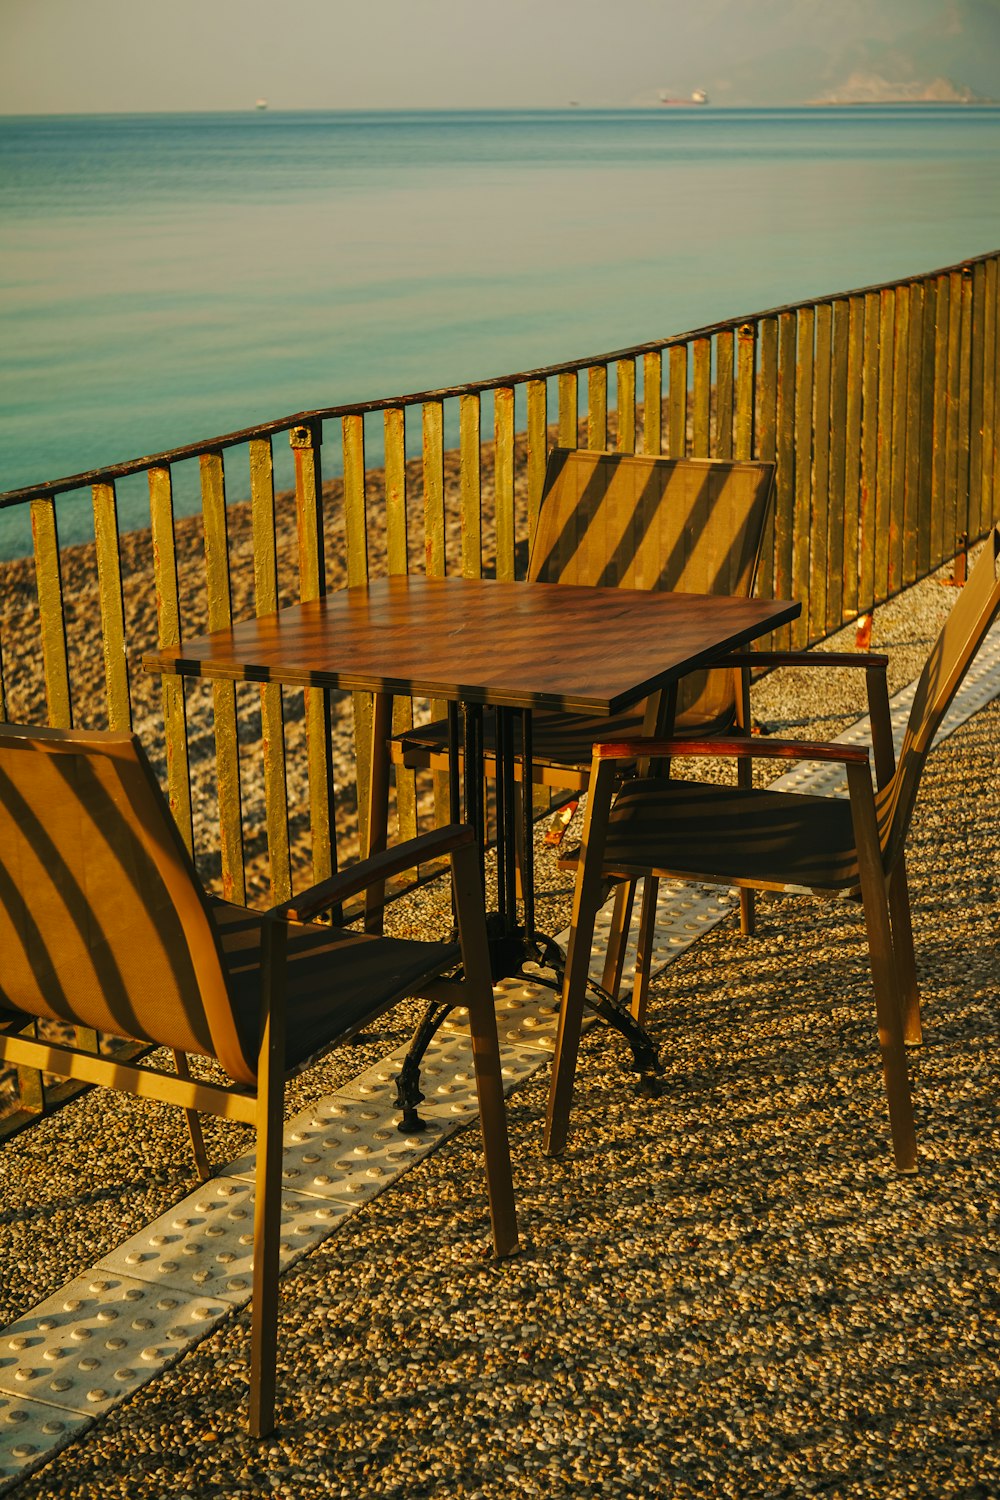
519,645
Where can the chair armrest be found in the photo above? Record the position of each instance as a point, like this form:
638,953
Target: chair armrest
803,659
742,748
380,867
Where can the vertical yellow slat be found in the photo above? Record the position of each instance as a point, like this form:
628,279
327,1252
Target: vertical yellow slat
784,514
883,458
701,398
396,527
470,485
976,364
837,512
995,490
625,404
928,376
538,441
802,519
869,452
767,441
109,584
853,440
569,421
963,503
744,421
220,617
725,344
951,451
435,559
306,444
397,559
51,618
597,407
355,500
356,536
272,725
987,507
3,692
897,480
433,474
652,403
911,478
503,480
939,467
677,401
168,633
820,561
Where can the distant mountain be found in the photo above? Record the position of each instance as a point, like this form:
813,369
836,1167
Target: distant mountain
855,49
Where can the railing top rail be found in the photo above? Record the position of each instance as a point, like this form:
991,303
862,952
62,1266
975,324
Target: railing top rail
314,417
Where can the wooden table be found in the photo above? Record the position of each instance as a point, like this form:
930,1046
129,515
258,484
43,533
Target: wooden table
517,646
476,642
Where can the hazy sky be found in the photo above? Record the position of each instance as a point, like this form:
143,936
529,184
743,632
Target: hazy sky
69,56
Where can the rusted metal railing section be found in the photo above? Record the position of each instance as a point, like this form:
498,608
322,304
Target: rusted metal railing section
879,406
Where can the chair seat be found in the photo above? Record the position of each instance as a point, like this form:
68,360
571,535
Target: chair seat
370,974
777,840
564,739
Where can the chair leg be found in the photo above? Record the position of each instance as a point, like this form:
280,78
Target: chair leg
744,778
621,921
644,947
378,805
885,974
485,1049
902,942
193,1123
267,1207
586,901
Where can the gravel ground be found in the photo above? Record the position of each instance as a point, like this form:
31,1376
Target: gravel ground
725,1291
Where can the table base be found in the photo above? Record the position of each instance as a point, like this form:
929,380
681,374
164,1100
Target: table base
510,950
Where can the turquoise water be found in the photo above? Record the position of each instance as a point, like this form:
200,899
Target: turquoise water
167,278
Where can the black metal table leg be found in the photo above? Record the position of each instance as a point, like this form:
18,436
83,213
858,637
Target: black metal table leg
511,944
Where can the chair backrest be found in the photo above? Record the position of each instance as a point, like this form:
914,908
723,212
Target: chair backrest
103,922
974,610
694,525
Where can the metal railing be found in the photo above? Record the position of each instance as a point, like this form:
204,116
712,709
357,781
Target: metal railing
879,407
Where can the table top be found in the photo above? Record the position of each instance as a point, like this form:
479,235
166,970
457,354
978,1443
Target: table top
519,645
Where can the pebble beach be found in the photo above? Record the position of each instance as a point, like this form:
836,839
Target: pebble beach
723,1291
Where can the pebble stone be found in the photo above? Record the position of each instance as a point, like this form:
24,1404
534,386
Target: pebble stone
724,1291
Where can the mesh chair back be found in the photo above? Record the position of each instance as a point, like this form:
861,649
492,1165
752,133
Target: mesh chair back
974,611
102,921
627,520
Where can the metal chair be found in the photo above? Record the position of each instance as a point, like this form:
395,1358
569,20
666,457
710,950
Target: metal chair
782,841
694,525
104,925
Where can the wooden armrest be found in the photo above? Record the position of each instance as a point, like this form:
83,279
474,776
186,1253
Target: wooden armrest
380,867
739,748
803,659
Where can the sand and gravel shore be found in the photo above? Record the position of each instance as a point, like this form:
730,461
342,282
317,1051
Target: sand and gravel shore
725,1291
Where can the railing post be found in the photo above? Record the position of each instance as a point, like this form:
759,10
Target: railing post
305,442
265,566
220,617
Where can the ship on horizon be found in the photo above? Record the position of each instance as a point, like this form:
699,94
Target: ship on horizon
697,96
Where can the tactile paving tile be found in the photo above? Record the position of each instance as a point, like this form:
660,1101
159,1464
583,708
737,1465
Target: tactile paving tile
527,1014
98,1339
32,1432
204,1246
683,913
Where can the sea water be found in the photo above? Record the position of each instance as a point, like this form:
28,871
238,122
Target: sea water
168,278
